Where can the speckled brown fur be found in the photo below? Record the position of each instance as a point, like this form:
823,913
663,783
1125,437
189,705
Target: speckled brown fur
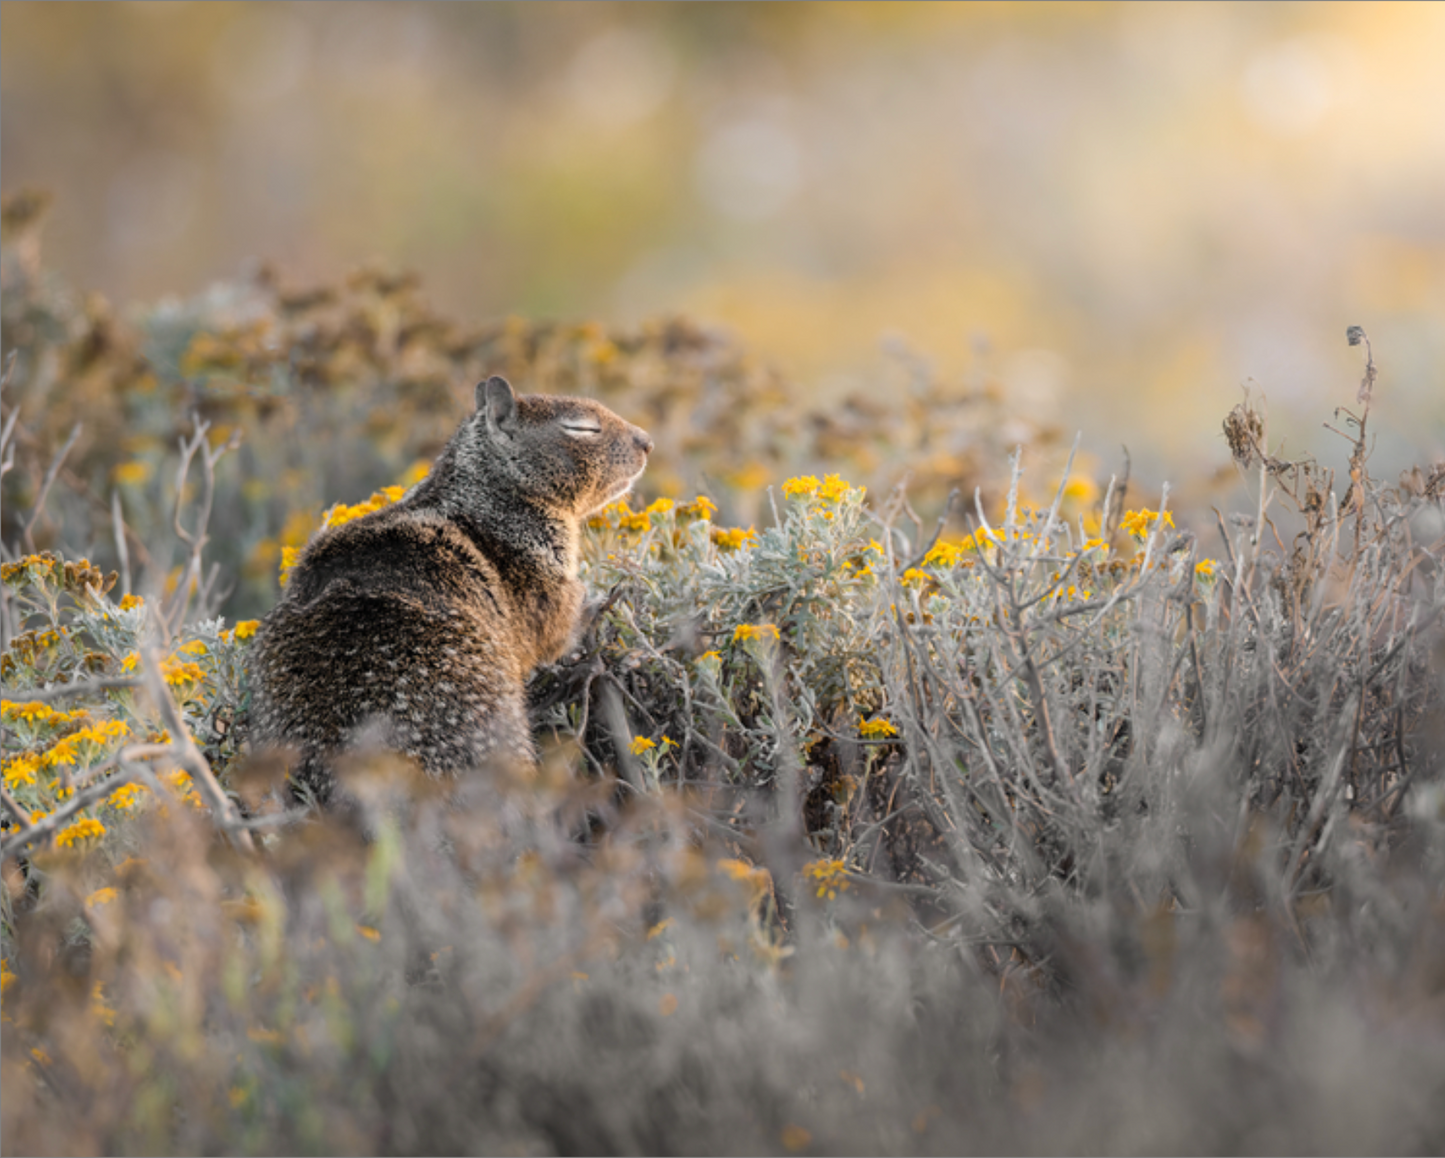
417,626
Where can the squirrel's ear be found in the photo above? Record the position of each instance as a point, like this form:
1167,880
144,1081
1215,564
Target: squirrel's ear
495,398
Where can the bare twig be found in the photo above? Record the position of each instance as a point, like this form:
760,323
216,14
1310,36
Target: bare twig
55,464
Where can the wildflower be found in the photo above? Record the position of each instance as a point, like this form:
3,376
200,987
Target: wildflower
710,657
20,770
1205,569
80,830
796,488
1138,523
659,507
33,712
289,557
1080,488
100,897
870,729
195,647
1091,544
641,744
132,474
830,875
630,520
944,554
7,978
126,796
701,507
130,602
796,1137
262,1034
243,630
913,577
735,538
369,933
758,631
237,1097
832,489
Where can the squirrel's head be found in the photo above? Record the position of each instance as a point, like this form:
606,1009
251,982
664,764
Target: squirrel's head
571,456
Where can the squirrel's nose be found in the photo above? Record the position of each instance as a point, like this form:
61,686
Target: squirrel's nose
643,440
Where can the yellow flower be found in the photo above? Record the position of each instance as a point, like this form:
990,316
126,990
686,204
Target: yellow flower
21,769
195,647
830,875
913,577
80,830
129,601
833,488
701,507
1091,544
734,539
126,796
660,507
33,712
630,520
1205,569
7,978
800,487
758,631
796,1137
1137,523
243,630
1081,489
944,554
289,558
100,897
876,727
131,474
369,933
641,744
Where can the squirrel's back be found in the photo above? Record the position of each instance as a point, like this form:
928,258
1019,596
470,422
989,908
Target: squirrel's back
416,627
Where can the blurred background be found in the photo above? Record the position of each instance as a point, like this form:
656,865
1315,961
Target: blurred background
1127,211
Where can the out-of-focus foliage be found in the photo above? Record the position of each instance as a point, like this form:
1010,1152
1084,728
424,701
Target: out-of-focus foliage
340,389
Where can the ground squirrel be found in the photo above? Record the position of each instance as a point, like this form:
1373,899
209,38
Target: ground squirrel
418,625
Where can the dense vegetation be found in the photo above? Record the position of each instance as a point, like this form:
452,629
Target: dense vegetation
855,831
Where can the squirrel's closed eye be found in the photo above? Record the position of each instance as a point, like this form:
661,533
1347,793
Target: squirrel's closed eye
581,426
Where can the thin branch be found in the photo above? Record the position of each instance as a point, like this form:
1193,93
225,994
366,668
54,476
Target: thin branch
45,486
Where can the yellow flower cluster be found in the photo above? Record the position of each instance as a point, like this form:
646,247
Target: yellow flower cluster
21,770
83,746
35,712
81,830
1138,523
913,577
831,489
734,539
641,744
1205,569
876,728
243,630
126,797
758,631
830,875
341,513
701,507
